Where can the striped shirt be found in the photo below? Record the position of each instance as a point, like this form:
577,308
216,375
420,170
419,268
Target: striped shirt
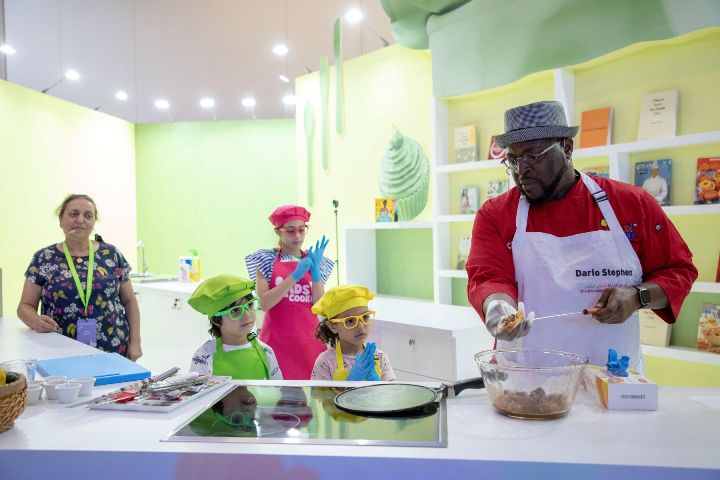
265,259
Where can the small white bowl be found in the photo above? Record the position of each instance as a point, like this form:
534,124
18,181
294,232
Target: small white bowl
54,377
50,392
68,392
87,385
33,394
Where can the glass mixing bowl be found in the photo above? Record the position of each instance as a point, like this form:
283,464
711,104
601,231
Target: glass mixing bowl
531,383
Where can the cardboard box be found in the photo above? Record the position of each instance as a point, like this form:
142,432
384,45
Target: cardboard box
634,392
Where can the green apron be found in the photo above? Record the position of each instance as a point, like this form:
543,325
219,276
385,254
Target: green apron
241,364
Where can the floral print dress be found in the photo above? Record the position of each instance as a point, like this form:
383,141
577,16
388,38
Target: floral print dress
59,297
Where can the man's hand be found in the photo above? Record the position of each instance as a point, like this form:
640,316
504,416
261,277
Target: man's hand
615,305
505,322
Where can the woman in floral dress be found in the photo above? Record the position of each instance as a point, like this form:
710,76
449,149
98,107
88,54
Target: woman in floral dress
106,315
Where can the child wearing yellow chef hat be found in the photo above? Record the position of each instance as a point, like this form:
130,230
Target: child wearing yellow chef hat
344,327
230,305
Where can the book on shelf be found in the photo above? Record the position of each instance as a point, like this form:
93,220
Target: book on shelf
466,149
463,252
708,337
468,200
653,176
603,171
596,127
496,187
658,115
385,210
495,152
707,181
653,329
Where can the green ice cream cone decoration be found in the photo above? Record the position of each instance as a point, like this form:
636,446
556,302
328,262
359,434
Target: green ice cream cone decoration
405,176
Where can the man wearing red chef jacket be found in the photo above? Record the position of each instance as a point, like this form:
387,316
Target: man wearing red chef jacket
564,242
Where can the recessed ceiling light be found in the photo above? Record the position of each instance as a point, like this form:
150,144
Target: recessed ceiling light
280,49
289,99
354,15
248,102
284,79
162,104
72,75
207,102
7,49
121,95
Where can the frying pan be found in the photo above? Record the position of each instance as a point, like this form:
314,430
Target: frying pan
399,398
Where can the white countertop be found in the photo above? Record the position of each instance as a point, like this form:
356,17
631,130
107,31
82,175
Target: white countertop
75,443
169,286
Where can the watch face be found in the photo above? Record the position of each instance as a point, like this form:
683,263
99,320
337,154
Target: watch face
644,295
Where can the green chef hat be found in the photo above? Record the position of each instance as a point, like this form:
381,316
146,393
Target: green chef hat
216,293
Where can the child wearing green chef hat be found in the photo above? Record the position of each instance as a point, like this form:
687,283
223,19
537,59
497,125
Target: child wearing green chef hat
230,305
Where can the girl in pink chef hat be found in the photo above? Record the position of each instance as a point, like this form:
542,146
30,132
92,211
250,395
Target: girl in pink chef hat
289,281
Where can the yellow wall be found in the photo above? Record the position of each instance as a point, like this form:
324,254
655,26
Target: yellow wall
387,87
49,148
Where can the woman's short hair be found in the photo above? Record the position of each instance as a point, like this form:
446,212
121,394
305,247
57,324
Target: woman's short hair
60,210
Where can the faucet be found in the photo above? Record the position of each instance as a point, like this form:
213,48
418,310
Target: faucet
141,246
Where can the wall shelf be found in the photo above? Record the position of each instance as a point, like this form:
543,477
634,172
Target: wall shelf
468,167
692,209
649,145
456,218
388,225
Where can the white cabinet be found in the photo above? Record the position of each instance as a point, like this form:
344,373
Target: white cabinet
426,341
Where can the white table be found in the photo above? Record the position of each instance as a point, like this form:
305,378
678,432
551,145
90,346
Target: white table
49,441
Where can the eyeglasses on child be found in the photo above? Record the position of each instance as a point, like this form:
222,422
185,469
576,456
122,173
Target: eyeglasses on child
237,312
352,321
302,229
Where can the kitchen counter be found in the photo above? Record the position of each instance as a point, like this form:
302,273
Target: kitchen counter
50,441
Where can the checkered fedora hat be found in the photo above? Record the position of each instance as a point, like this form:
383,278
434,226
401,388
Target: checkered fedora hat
535,121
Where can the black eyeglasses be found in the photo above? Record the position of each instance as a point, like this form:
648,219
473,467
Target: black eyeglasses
513,163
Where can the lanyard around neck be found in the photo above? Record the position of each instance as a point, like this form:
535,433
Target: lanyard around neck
85,299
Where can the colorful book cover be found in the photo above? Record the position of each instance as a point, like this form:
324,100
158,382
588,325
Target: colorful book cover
496,187
385,210
707,181
653,176
463,252
466,149
603,172
468,200
495,152
658,115
596,127
708,337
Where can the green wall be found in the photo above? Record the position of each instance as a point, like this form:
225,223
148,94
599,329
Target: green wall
396,251
48,149
211,186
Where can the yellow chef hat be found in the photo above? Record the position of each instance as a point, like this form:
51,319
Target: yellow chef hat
341,298
216,293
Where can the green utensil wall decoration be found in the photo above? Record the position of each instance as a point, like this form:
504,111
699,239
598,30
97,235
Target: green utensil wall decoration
339,94
309,126
324,130
405,176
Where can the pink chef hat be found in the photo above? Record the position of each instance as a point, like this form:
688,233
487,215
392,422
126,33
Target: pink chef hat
288,213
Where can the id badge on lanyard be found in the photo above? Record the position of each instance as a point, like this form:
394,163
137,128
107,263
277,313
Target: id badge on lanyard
86,331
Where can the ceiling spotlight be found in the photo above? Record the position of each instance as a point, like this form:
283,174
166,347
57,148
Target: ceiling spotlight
121,95
248,102
162,104
207,102
284,78
7,49
280,49
354,15
289,99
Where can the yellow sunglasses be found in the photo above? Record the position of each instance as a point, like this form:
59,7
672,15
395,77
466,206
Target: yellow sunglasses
353,320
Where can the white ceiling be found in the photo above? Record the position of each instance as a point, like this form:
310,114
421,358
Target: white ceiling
179,50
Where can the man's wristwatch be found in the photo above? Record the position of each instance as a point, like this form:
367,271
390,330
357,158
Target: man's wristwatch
643,295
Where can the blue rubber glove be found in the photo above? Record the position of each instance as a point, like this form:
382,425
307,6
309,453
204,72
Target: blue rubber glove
302,268
364,364
317,254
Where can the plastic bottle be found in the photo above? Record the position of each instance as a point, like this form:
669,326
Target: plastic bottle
195,270
184,268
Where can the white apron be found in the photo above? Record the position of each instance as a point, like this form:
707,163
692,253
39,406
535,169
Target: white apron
568,274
